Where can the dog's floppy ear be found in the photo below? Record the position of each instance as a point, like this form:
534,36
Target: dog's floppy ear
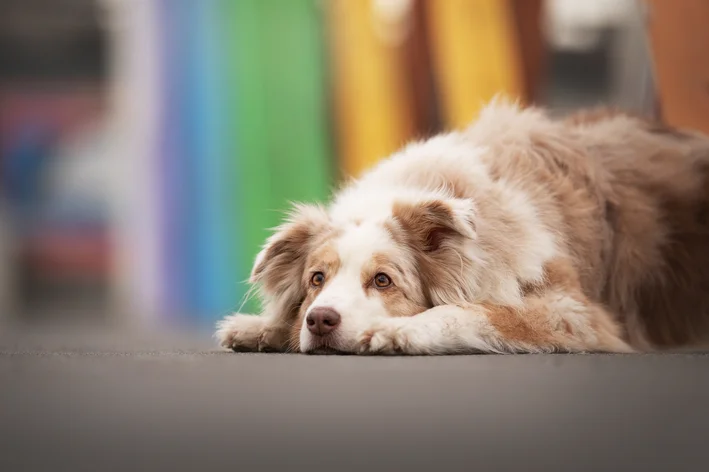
438,231
280,264
430,223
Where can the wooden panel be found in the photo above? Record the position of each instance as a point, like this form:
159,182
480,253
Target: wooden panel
679,32
532,44
374,109
475,55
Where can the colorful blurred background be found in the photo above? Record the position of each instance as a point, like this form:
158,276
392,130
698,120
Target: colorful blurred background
146,146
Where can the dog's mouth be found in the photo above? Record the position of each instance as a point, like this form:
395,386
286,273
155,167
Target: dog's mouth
329,344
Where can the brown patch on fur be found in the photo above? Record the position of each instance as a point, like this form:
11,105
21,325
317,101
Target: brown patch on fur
545,324
560,273
428,224
527,327
398,305
382,262
324,259
309,299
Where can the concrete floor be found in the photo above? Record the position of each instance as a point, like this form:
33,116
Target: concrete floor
107,401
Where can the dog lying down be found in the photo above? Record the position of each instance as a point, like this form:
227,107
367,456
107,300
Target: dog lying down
517,234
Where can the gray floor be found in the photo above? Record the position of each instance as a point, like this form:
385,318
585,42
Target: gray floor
112,401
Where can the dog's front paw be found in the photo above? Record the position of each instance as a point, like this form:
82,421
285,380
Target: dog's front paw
273,339
241,333
385,339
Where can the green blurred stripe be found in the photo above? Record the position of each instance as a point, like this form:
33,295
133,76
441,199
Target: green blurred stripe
279,150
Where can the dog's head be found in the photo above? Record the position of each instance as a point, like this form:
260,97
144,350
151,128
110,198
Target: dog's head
334,273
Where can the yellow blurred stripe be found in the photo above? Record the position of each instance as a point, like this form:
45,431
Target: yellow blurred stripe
475,55
373,107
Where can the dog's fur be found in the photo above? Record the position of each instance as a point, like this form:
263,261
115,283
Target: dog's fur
518,234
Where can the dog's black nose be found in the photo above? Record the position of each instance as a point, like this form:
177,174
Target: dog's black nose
322,320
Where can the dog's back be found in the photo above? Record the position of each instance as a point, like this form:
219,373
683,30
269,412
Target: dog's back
657,211
631,197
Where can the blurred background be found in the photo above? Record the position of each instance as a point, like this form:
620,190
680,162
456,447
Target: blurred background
146,146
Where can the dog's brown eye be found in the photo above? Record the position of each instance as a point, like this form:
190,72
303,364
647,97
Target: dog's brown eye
317,279
382,280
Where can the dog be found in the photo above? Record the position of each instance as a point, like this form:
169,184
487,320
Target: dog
518,234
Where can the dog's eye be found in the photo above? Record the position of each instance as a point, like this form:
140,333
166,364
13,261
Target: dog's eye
317,279
381,280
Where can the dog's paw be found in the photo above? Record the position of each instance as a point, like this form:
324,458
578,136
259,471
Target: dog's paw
241,333
272,339
385,339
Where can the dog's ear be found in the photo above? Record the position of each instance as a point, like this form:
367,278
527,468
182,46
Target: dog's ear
280,263
438,231
431,223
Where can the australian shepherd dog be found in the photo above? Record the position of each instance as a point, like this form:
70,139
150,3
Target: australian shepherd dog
519,234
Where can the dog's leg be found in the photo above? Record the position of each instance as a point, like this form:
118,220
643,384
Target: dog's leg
549,322
249,333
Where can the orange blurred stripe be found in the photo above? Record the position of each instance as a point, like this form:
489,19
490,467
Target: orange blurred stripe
475,55
373,106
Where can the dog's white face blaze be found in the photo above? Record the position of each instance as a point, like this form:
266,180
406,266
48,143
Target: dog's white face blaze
349,262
